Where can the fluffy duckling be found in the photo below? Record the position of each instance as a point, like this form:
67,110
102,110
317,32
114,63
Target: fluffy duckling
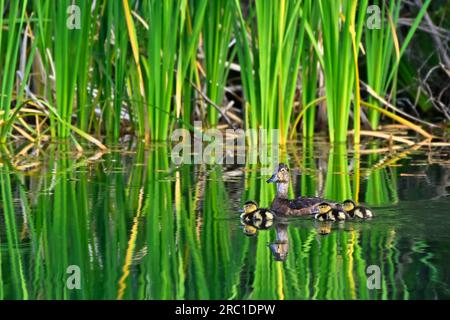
329,212
325,212
355,211
254,218
255,215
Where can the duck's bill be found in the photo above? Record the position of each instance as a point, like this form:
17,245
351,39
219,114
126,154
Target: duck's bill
273,179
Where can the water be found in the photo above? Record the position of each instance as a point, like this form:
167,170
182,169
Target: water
134,226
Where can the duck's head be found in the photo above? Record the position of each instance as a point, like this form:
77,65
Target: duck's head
349,205
324,208
281,174
250,206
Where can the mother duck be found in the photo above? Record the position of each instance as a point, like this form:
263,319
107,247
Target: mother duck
300,206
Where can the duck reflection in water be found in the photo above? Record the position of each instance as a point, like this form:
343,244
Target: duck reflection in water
280,247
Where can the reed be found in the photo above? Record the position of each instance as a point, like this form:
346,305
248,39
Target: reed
338,20
337,185
147,67
217,31
384,51
67,50
11,29
167,20
310,67
269,49
380,47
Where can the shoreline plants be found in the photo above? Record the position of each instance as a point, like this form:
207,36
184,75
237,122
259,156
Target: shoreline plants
104,69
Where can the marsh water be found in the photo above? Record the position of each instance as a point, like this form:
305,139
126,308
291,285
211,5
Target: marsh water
129,224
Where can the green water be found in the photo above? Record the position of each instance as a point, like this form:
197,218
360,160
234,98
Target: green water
139,227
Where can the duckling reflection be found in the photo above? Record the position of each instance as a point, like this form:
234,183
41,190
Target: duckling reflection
324,227
280,247
252,228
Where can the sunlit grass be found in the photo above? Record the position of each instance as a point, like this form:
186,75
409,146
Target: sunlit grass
146,68
269,51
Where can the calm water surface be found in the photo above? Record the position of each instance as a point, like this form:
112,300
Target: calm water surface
138,227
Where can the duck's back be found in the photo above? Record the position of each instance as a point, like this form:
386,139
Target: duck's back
304,202
286,207
300,206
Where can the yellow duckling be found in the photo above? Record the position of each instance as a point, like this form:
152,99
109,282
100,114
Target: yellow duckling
327,212
355,211
259,217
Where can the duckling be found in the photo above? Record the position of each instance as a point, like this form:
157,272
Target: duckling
255,215
339,213
325,212
328,212
249,208
363,212
300,206
355,211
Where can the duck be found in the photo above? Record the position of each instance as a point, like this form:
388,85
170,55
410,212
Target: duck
328,212
355,211
301,206
259,217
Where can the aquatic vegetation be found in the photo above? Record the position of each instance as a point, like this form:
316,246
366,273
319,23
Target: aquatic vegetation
270,61
11,28
340,34
127,73
217,32
383,53
144,68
